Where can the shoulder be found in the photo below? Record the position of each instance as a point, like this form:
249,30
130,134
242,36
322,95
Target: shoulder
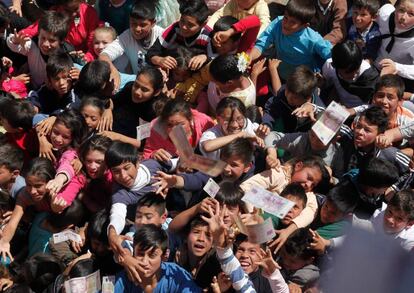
158,31
385,11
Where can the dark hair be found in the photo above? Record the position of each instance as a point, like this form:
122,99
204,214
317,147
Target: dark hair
230,194
154,75
55,23
310,161
92,79
240,147
302,10
151,237
40,270
18,113
73,214
120,152
371,5
376,172
98,143
92,101
176,106
195,8
347,56
224,23
83,267
302,81
376,116
58,63
343,197
41,168
4,16
144,9
296,190
182,55
404,201
97,227
224,68
197,221
11,157
153,200
232,103
391,81
253,113
75,122
297,245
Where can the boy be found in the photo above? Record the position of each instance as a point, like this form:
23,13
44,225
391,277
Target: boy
364,31
11,164
134,42
295,43
150,244
190,31
53,28
57,94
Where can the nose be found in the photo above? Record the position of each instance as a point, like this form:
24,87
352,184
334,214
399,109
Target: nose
201,237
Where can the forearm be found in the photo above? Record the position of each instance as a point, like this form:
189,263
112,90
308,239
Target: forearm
254,54
217,143
104,57
275,79
182,219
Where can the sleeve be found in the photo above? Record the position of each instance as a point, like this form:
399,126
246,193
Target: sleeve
308,214
31,30
117,217
232,268
270,180
407,131
322,47
193,85
65,166
338,32
121,282
277,283
194,181
406,70
114,49
23,50
305,275
262,11
265,40
250,27
152,144
72,189
92,22
398,158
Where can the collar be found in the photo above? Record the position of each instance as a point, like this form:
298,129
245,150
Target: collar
143,178
325,10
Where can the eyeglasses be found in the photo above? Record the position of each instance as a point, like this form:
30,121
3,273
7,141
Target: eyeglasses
239,120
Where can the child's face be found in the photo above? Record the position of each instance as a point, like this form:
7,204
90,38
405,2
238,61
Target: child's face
7,176
226,47
395,220
180,74
100,41
178,119
330,213
95,164
48,43
293,99
248,254
189,26
364,133
229,215
245,4
291,25
291,263
361,18
199,241
149,260
148,215
235,168
294,211
140,28
387,99
308,177
92,116
61,136
142,90
231,121
61,83
72,8
404,15
36,187
125,174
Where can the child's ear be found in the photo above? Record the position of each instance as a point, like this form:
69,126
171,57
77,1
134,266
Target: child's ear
164,217
298,166
247,167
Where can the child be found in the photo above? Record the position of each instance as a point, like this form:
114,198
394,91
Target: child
103,36
352,78
53,27
57,94
12,84
150,243
115,13
11,164
295,43
190,31
364,31
92,108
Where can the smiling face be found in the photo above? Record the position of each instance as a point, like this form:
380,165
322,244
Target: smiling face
125,174
361,18
231,121
404,15
48,43
140,28
35,187
199,241
95,164
248,254
61,136
387,99
364,133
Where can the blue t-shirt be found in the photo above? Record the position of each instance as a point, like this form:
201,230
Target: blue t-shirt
39,237
173,279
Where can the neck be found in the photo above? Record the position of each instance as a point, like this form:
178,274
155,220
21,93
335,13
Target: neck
367,148
193,261
149,284
363,30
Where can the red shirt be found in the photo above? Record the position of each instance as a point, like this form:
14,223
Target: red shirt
27,142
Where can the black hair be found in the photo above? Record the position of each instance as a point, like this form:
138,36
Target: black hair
391,81
302,10
254,114
75,122
377,173
4,16
225,23
376,116
93,78
298,244
230,194
296,190
120,152
155,200
92,101
343,197
98,143
150,237
58,63
97,227
347,56
83,267
18,113
195,8
56,23
197,221
176,106
371,5
73,214
40,270
240,147
41,168
232,103
182,55
404,201
302,82
144,9
11,157
224,68
154,75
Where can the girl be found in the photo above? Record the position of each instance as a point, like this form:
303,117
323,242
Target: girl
232,124
92,109
175,112
68,132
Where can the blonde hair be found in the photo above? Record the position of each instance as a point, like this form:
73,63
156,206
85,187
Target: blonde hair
107,29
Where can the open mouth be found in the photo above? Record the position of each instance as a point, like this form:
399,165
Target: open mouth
244,264
199,247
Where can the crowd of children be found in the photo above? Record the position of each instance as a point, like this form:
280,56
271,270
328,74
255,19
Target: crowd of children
98,97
